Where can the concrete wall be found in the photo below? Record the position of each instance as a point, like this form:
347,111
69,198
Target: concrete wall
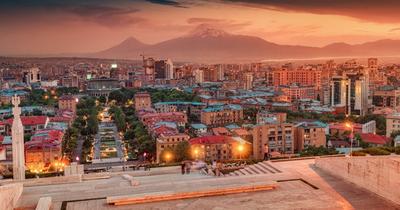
9,195
379,174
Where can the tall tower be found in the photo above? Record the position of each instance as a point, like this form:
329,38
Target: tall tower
248,81
169,69
199,75
17,134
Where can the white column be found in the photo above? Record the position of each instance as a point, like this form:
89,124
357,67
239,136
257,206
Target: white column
17,134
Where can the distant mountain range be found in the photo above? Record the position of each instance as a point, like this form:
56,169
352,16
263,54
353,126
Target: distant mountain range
206,44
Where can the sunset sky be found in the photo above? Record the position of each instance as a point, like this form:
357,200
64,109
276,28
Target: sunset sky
39,27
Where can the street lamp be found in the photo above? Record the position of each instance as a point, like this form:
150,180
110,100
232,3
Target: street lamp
196,153
351,127
167,157
240,149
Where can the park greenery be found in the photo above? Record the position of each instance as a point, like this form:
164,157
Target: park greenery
84,128
386,150
317,151
41,97
123,95
323,117
119,118
136,138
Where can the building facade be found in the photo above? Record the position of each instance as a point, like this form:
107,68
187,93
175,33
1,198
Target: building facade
309,134
68,102
272,138
351,92
168,142
142,101
221,115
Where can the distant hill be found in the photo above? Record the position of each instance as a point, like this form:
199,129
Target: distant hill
206,44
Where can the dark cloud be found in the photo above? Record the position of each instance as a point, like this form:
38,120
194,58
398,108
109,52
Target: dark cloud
99,11
381,11
168,3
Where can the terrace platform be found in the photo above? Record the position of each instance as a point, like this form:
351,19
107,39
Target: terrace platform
299,185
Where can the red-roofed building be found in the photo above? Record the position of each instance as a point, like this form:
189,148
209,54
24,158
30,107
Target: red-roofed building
340,128
3,128
376,140
31,124
61,119
209,148
5,148
44,147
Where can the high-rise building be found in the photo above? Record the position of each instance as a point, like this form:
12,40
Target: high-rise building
160,69
248,81
198,75
221,72
164,69
169,68
285,76
373,63
148,66
294,92
32,76
351,92
338,93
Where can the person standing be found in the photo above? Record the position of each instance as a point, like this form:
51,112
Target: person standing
188,167
183,167
218,168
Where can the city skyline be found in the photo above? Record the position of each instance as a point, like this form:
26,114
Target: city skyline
57,27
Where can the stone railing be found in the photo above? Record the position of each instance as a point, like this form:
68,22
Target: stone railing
9,195
378,174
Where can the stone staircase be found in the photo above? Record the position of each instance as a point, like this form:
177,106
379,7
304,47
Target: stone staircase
264,167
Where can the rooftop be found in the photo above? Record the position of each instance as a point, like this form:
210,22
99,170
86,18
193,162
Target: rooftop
218,108
30,120
198,126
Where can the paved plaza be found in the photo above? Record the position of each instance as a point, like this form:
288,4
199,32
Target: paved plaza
300,186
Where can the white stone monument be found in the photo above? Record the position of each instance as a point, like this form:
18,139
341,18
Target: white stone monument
17,134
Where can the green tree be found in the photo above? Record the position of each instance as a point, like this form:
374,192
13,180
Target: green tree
182,151
118,96
250,114
317,151
118,117
102,99
70,141
93,123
